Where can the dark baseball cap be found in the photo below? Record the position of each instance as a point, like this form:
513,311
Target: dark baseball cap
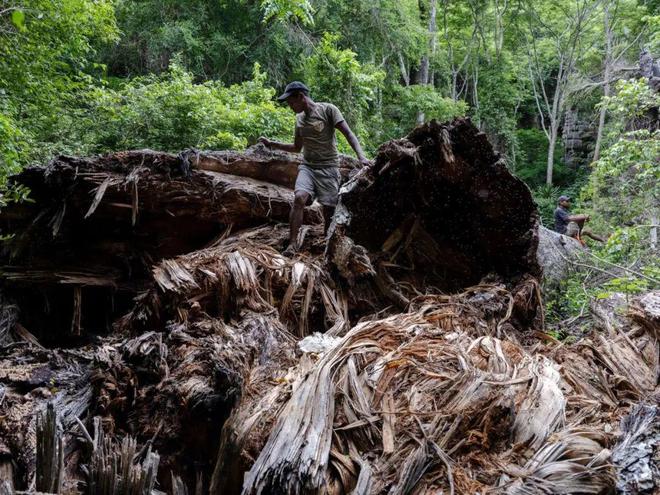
563,198
291,88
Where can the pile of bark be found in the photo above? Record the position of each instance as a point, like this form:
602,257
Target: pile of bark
144,297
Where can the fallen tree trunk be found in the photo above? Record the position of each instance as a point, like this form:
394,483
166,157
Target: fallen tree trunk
199,337
86,245
258,162
442,203
556,255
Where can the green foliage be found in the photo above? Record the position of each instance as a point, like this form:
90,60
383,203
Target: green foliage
624,182
630,285
502,89
45,47
654,28
622,196
18,19
604,279
10,147
531,160
11,144
288,9
336,76
171,112
404,104
219,40
624,185
632,99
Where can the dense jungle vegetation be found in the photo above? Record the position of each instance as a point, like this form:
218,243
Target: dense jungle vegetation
90,76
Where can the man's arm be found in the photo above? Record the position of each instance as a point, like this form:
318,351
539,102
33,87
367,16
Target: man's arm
578,218
353,141
291,148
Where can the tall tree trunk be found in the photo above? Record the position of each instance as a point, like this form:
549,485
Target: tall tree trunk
569,52
433,31
654,229
475,96
606,76
424,69
554,116
552,142
404,70
500,10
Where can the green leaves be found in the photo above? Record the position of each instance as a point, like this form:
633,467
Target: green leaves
287,10
171,112
336,75
18,19
42,64
634,97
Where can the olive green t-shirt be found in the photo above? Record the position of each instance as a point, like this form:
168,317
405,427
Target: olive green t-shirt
317,131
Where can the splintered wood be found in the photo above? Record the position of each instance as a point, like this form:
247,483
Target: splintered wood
145,298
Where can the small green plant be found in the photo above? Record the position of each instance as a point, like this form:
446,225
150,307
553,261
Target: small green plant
627,285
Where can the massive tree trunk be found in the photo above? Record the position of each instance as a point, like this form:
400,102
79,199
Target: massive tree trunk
148,290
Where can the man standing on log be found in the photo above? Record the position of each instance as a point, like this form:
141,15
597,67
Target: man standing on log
318,174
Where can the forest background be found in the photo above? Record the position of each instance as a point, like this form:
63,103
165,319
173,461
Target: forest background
555,84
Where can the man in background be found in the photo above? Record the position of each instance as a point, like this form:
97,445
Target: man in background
318,174
572,225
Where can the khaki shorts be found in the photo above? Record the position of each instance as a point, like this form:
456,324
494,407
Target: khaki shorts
320,183
572,229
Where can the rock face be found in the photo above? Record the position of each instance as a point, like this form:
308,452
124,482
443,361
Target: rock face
579,138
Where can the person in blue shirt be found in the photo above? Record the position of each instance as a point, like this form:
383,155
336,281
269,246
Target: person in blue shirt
572,225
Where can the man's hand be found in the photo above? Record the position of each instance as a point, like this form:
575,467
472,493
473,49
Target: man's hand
365,162
265,141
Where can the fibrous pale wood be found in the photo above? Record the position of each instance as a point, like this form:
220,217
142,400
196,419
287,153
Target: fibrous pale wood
466,404
50,452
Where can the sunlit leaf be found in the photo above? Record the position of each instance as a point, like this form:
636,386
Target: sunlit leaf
18,19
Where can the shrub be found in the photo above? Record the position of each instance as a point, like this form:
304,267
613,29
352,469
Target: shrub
171,112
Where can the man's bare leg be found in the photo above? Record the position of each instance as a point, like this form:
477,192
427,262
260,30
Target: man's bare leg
300,200
328,212
595,237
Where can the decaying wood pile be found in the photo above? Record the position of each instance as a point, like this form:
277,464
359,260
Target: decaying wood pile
144,297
